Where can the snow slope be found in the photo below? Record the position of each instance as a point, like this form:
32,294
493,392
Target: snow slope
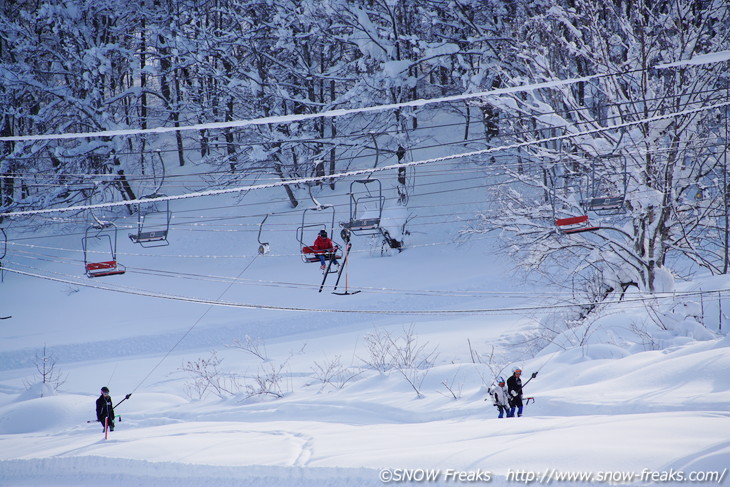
611,401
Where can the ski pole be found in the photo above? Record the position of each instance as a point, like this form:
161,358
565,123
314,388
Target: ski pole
534,374
125,398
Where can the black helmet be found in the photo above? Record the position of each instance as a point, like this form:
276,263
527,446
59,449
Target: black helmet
323,233
105,389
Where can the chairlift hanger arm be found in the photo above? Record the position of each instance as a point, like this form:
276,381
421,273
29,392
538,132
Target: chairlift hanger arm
4,243
263,246
162,177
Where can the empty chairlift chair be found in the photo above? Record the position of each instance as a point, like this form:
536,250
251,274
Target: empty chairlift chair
153,222
607,186
366,207
605,205
104,237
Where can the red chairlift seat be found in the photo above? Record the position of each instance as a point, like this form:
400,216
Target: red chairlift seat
107,268
575,224
312,255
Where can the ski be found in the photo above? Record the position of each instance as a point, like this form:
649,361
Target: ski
326,273
116,418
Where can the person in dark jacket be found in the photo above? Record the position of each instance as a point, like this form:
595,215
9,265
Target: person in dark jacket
514,392
105,409
322,246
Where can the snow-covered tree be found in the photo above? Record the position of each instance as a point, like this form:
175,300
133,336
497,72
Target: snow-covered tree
639,131
68,67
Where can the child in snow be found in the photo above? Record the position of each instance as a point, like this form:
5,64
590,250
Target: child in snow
499,397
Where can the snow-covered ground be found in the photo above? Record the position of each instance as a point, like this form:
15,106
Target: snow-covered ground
621,399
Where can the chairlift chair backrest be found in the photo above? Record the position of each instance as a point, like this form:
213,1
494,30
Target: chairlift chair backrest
607,205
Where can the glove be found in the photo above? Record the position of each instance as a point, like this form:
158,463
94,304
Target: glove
514,393
534,374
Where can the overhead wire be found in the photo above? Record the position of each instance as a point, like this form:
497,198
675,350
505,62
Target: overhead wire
286,119
491,168
270,283
654,297
313,179
55,175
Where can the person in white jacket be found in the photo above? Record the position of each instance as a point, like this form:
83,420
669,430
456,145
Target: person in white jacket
498,394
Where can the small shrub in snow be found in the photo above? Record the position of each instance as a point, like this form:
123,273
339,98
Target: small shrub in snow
453,388
254,346
268,382
403,353
206,377
379,356
332,373
47,377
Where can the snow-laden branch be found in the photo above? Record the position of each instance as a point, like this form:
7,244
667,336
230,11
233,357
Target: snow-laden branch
285,119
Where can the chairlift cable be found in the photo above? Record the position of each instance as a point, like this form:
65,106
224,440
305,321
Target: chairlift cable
326,178
287,119
282,284
392,291
284,212
432,312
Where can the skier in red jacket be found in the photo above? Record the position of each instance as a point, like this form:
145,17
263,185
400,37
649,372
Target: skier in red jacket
322,246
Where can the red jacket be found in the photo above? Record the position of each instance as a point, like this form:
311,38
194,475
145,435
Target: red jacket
323,245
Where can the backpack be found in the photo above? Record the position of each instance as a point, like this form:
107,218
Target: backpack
491,391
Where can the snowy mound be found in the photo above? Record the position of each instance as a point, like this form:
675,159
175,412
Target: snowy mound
46,414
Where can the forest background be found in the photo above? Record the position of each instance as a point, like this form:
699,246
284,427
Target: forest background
636,124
